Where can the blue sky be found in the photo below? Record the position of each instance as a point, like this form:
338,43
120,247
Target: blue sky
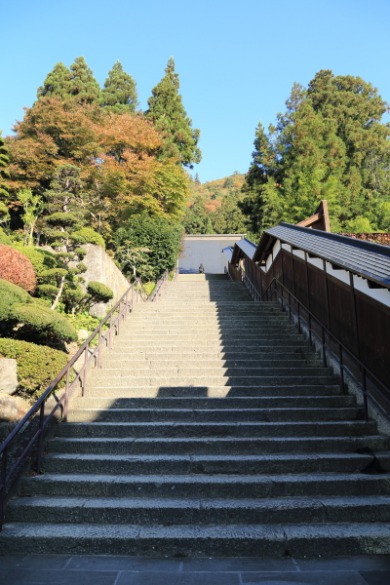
237,59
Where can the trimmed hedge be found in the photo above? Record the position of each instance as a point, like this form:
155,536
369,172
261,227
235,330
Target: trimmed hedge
37,365
38,320
43,321
99,291
87,235
9,295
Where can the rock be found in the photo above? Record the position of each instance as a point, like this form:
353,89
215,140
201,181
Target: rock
8,375
83,334
12,408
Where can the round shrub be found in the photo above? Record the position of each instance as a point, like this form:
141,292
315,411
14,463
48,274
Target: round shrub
9,295
87,235
17,268
43,322
47,291
37,365
99,291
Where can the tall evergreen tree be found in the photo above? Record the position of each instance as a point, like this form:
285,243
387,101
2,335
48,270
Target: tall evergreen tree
119,92
83,86
167,112
4,161
330,144
57,83
4,174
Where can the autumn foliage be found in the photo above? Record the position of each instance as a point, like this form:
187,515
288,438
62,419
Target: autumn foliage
16,268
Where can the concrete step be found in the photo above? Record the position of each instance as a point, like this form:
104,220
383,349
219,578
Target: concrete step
101,403
192,369
206,486
290,414
218,445
177,429
193,391
240,353
199,511
256,540
140,361
214,345
101,378
71,463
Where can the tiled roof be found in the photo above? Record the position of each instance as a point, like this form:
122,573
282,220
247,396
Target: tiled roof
372,261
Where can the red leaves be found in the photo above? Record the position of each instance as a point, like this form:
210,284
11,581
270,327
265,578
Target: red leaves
16,268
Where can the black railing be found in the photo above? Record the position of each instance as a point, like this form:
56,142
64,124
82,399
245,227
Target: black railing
332,349
29,433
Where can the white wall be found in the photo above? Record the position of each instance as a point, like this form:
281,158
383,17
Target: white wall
206,250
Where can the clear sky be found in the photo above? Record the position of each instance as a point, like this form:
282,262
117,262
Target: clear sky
236,59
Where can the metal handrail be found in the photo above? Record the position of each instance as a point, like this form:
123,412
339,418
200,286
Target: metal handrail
75,373
156,292
366,373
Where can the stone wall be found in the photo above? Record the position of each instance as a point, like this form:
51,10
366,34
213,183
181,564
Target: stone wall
101,268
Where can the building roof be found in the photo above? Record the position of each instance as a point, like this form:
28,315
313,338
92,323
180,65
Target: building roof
366,259
244,246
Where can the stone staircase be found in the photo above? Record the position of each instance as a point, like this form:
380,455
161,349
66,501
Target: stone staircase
211,430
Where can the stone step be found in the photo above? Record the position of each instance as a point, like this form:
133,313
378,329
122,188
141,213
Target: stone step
206,486
109,464
241,353
228,344
199,511
289,414
193,369
140,361
100,378
227,540
192,429
100,403
149,391
218,445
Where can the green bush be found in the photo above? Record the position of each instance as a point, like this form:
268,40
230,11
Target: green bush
99,291
37,365
62,218
42,321
52,275
4,239
47,291
10,294
87,235
39,258
30,318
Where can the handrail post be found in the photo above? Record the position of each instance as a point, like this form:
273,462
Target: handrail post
323,346
365,398
40,437
84,376
3,484
341,362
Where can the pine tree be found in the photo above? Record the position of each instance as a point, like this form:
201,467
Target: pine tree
57,83
4,174
83,86
4,161
119,93
167,112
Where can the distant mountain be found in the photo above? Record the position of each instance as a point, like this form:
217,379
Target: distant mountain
213,192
